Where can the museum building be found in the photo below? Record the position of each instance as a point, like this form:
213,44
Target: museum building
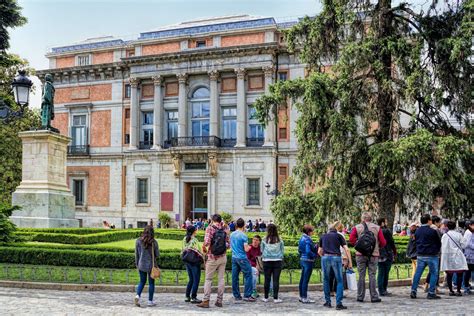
165,122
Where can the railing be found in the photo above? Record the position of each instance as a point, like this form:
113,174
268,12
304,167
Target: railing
78,150
228,142
255,142
145,145
79,275
194,141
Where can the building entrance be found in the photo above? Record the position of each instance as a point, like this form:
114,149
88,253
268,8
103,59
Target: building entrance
196,200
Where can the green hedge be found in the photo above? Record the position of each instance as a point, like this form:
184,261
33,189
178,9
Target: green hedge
77,239
76,231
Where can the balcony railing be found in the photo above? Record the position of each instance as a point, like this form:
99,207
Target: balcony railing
229,142
193,141
255,142
78,150
145,145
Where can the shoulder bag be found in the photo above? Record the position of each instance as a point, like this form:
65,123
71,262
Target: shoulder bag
155,271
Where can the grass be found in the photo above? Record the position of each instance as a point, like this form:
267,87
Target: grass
41,273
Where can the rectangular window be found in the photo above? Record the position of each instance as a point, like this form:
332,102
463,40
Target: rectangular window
127,113
146,137
142,191
282,170
127,138
79,130
127,91
78,191
200,119
282,133
256,130
200,44
195,166
172,124
83,60
229,123
147,118
253,191
282,76
130,53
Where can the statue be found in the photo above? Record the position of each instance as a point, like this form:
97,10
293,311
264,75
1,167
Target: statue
47,104
212,157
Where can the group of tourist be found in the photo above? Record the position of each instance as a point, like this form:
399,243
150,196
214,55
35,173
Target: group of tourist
198,223
374,245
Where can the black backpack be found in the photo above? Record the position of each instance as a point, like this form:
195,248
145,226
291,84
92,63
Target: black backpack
218,242
366,242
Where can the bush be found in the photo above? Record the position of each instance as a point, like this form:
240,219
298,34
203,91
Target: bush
165,219
109,236
226,217
7,228
76,231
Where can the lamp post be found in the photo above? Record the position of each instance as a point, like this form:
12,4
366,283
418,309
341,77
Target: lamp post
21,87
267,190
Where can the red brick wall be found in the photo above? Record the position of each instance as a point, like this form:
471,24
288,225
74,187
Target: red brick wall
243,39
98,184
103,57
61,122
64,62
100,128
101,92
161,48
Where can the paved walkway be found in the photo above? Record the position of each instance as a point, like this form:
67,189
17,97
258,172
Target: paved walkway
46,302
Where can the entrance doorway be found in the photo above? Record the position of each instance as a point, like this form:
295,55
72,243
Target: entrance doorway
196,200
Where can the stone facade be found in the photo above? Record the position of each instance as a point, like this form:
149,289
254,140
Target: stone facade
168,126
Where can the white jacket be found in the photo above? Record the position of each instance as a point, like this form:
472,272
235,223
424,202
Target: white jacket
452,256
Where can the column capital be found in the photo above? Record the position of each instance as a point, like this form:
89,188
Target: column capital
134,81
240,73
213,74
157,80
182,77
268,70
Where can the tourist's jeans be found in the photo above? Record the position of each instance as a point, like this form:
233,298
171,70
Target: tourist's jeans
194,274
213,266
328,264
141,285
244,266
383,275
433,265
364,264
306,271
254,278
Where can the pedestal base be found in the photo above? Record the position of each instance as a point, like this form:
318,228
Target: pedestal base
40,222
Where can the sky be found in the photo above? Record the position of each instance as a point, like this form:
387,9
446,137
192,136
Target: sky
54,23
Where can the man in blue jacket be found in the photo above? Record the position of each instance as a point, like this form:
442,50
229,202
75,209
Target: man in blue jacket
428,246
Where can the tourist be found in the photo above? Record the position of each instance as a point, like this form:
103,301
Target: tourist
330,252
428,245
216,243
469,254
411,249
263,226
193,260
272,257
308,252
332,277
436,225
461,226
146,255
249,225
444,226
452,257
252,254
257,226
397,228
239,246
386,258
367,261
188,222
207,223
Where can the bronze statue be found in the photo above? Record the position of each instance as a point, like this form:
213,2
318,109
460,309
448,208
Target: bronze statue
47,103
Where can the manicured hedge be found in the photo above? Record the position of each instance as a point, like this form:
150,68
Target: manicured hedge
76,231
76,239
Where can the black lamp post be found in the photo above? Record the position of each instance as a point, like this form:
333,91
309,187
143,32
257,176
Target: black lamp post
21,87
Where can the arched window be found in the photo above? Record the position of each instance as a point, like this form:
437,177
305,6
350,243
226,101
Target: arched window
200,112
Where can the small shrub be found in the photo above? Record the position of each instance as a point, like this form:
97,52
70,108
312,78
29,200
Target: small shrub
226,217
165,219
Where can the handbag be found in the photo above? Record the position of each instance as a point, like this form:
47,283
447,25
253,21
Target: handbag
259,264
351,280
190,255
155,271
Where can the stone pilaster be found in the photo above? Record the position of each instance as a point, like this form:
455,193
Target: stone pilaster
157,112
270,128
134,113
214,103
182,105
241,109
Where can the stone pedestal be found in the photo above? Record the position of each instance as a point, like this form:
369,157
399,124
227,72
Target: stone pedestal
43,194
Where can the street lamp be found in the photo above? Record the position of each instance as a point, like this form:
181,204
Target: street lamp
267,190
21,88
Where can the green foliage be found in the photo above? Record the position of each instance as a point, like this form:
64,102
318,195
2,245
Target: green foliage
354,152
112,235
77,231
165,219
226,217
11,15
7,228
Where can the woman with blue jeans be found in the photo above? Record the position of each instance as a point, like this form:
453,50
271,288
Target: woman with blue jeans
308,253
193,268
146,248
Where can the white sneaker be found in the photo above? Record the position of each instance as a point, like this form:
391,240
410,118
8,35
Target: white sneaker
265,300
151,304
137,300
278,300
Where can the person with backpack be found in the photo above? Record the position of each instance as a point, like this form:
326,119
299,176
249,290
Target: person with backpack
452,257
308,252
240,247
367,239
272,256
428,245
146,255
192,258
387,256
216,243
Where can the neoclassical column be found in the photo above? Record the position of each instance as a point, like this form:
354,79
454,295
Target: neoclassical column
241,109
214,104
157,112
270,128
134,113
182,102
